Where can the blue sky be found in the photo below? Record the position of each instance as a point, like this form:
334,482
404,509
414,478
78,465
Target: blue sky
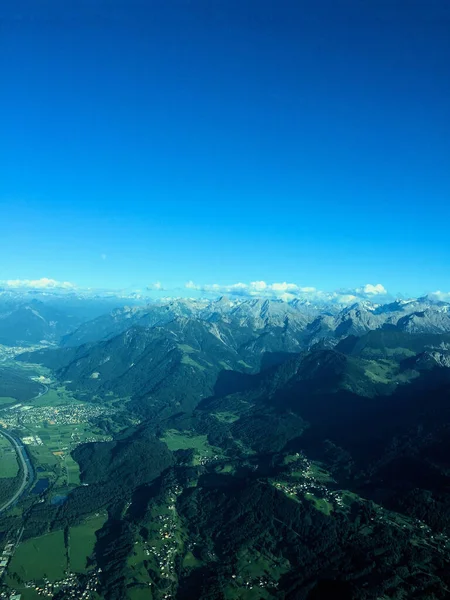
227,141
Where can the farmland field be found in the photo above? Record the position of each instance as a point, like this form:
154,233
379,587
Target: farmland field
320,503
55,396
185,440
140,593
82,541
9,466
40,557
226,416
5,400
73,470
29,594
177,440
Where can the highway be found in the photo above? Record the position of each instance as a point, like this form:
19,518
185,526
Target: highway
22,456
26,468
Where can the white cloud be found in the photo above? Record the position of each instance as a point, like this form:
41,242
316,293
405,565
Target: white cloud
440,296
286,297
258,286
285,287
155,286
43,283
289,291
238,287
283,290
372,290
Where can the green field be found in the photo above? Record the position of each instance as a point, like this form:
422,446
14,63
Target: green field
59,439
29,594
187,349
82,540
40,557
4,400
225,468
239,593
178,440
320,504
137,573
244,364
252,566
55,396
72,470
291,458
319,473
62,438
54,456
44,458
140,558
387,372
140,593
190,562
9,466
226,417
187,360
349,497
137,557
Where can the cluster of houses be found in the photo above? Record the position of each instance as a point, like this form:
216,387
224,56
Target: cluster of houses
70,585
5,557
32,440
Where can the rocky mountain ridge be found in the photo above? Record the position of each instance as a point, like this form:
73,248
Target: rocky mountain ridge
306,323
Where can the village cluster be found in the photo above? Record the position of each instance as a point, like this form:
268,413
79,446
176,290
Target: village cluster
5,556
71,585
72,414
204,460
309,484
167,527
257,582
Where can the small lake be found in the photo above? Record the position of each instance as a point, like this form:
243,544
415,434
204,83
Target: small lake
58,499
41,486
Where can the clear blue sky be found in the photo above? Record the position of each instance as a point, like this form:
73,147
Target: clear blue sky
226,140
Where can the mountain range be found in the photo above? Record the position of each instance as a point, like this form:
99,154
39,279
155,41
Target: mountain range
305,321
302,448
177,352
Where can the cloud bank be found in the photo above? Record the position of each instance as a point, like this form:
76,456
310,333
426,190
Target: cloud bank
440,296
374,290
290,291
38,284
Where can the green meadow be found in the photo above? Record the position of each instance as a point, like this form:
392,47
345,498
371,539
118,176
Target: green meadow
320,503
177,440
9,466
40,557
5,400
82,541
185,440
